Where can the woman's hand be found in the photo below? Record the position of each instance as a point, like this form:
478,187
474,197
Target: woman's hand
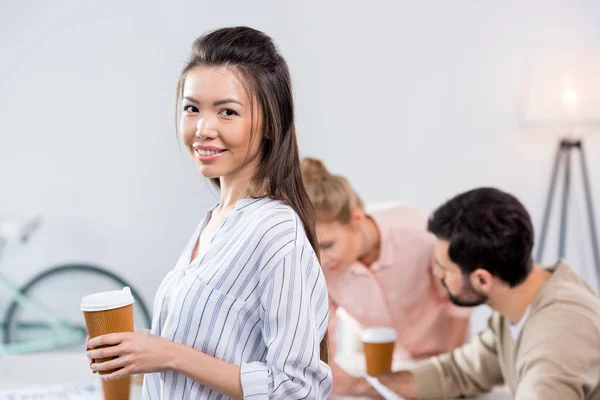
143,331
136,353
87,347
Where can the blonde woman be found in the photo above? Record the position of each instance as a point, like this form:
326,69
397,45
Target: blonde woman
378,265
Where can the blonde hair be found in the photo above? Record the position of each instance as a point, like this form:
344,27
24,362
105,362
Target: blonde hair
331,195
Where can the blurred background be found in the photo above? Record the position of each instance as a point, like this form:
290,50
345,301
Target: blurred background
413,101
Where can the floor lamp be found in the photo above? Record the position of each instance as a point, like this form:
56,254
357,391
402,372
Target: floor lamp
563,156
564,92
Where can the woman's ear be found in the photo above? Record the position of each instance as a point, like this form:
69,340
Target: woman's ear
357,216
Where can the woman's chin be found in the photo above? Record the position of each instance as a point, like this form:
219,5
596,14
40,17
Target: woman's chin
208,172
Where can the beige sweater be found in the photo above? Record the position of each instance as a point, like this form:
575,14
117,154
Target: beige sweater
555,357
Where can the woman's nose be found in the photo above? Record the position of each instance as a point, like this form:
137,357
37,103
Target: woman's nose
205,128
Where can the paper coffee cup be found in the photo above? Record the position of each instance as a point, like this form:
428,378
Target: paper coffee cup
378,344
110,312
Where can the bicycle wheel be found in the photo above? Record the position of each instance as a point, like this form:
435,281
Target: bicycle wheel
60,290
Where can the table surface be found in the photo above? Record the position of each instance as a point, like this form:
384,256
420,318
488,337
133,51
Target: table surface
44,369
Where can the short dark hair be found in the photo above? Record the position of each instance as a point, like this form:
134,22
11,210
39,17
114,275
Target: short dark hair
487,228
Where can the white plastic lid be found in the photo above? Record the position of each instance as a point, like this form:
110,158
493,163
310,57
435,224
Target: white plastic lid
107,300
379,335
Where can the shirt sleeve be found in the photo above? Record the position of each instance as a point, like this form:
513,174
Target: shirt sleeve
469,370
294,310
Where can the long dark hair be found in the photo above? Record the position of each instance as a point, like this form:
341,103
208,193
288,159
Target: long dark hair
263,71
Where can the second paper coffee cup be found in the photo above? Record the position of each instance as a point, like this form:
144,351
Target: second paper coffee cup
378,344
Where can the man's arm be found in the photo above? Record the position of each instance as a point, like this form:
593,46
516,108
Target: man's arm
469,370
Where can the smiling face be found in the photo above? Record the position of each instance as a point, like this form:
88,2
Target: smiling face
217,124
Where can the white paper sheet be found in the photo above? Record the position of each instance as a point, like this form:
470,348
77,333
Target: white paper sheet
383,390
90,391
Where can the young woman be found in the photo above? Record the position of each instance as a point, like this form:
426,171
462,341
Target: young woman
379,268
244,312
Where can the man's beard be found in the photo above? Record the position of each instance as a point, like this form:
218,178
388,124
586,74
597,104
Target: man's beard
468,296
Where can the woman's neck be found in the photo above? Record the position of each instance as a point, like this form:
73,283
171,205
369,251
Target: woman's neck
232,190
370,239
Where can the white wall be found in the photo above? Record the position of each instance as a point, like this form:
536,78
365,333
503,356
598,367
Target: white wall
413,101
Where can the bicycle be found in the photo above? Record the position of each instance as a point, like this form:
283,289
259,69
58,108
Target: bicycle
36,322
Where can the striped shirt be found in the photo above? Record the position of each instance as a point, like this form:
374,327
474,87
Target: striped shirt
254,296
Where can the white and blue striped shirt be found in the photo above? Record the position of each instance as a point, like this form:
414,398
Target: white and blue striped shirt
255,296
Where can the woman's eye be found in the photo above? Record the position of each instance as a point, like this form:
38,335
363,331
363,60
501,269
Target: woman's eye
190,109
228,112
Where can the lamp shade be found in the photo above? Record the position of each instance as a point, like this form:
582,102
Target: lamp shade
563,87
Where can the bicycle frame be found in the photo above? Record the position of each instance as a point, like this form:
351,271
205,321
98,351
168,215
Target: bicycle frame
63,334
